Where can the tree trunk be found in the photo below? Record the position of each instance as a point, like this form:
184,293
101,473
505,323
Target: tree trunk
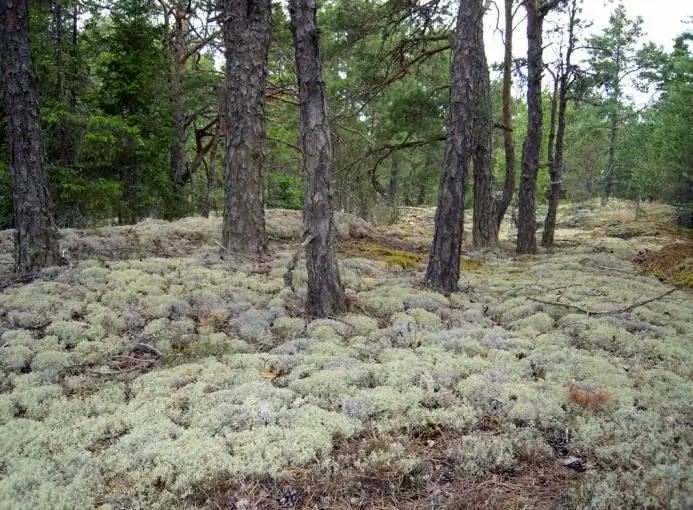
531,151
179,172
547,235
211,182
59,49
393,186
609,177
508,137
443,269
247,33
547,239
36,238
325,292
484,228
180,31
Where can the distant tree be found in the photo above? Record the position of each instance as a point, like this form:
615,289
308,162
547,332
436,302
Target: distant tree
36,238
531,151
466,90
208,200
564,80
508,136
484,227
616,58
325,292
247,31
188,30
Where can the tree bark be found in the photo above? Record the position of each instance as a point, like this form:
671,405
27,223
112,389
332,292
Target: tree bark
547,239
36,238
484,228
180,31
443,269
211,182
247,31
609,177
531,151
552,158
508,136
393,187
326,295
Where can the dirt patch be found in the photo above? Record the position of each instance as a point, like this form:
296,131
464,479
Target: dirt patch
673,263
434,481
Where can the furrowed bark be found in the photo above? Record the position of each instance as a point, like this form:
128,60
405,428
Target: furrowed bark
326,295
36,238
247,31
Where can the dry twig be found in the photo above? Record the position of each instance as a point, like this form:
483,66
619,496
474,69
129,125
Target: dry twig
597,313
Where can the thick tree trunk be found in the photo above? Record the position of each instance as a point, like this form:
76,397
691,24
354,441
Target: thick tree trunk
609,177
443,269
531,151
508,137
325,292
484,228
211,182
36,238
547,239
247,31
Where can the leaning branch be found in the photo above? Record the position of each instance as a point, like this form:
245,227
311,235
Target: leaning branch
598,313
289,275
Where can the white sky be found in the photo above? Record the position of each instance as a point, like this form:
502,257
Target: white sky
663,21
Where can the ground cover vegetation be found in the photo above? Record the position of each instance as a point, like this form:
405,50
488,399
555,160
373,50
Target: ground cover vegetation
296,255
157,370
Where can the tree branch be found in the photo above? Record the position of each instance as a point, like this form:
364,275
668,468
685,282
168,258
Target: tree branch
597,313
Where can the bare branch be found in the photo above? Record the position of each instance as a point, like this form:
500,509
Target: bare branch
597,313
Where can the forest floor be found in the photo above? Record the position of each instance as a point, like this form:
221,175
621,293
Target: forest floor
156,371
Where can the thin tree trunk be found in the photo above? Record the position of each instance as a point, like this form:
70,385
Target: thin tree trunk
179,173
484,228
531,151
75,25
247,33
36,238
508,137
393,187
552,144
211,182
325,292
59,49
547,239
609,177
443,269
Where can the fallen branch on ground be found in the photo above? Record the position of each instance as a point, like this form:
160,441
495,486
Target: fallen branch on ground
597,313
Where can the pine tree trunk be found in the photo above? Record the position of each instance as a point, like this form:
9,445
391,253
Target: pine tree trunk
247,31
443,269
211,182
325,292
393,187
547,239
609,177
179,172
180,30
36,238
547,235
508,137
484,228
531,151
